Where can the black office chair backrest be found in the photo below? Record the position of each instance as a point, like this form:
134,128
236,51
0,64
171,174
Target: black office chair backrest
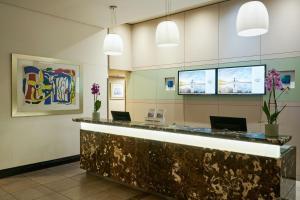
228,123
121,116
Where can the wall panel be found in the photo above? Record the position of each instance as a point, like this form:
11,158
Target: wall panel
201,34
283,35
231,45
143,44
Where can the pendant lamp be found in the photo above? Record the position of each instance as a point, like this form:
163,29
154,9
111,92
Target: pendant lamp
113,43
167,32
252,19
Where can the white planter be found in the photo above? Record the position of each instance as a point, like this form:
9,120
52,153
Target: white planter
271,130
96,116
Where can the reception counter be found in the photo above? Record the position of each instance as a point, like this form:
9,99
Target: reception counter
189,162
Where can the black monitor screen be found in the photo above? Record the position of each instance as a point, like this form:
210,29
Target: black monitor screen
228,123
242,80
120,116
197,82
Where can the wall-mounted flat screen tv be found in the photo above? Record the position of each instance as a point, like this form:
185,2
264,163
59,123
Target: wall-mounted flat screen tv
197,82
242,80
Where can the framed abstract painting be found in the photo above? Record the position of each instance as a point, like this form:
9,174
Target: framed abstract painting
45,86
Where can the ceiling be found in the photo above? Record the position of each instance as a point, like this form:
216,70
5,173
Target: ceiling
96,12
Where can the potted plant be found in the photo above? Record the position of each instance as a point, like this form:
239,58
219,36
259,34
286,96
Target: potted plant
270,107
97,103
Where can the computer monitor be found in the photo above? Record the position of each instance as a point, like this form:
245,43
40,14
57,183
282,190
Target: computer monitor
228,123
120,116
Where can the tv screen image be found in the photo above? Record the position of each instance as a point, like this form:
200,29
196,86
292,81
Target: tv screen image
197,82
242,80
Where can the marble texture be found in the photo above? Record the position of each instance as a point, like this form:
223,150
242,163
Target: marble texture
234,135
186,172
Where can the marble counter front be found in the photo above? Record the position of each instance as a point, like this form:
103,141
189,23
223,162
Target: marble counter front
189,162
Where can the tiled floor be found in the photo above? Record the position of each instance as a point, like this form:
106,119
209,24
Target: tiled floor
64,183
69,182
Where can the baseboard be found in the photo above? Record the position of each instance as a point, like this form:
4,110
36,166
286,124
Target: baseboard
37,166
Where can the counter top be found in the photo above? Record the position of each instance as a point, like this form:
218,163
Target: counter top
175,128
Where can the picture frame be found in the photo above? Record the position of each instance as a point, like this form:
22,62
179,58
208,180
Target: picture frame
45,86
117,91
170,83
288,78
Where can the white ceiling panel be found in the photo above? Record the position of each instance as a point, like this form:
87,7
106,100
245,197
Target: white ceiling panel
96,12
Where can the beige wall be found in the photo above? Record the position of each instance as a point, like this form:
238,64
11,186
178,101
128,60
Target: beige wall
28,140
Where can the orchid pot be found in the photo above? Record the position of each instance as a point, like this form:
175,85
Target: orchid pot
97,103
271,108
272,130
96,116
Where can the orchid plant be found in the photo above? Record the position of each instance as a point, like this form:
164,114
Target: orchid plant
273,84
96,92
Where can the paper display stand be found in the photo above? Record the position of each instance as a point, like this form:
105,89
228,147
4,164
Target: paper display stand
155,116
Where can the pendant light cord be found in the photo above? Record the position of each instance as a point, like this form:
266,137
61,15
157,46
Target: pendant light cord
260,50
261,98
168,7
113,19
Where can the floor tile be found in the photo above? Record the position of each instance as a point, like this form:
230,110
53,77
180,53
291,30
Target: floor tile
77,164
102,196
62,185
2,192
67,170
53,197
85,178
35,173
12,179
152,197
140,196
44,176
5,195
111,195
85,190
124,192
32,193
21,184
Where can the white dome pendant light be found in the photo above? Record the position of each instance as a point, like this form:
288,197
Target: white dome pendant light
113,43
167,32
252,19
